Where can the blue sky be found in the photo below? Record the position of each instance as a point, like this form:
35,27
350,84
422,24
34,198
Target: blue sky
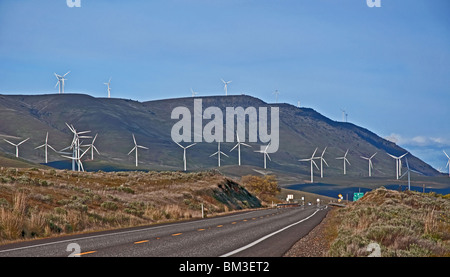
388,67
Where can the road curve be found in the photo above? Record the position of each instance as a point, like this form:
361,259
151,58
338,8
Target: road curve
261,233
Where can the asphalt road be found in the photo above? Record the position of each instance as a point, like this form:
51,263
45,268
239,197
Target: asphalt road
261,233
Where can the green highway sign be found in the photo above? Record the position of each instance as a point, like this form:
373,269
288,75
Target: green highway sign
357,195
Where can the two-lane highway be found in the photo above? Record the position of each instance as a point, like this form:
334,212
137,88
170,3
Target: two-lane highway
261,233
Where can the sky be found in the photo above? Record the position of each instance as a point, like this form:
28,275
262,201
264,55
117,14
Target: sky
388,67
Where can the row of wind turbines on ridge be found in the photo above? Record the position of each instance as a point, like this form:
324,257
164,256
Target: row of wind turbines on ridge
77,153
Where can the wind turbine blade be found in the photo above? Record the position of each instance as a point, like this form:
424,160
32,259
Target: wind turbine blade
9,142
315,164
340,158
224,154
347,161
346,153
324,151
325,162
22,141
234,147
179,145
66,73
373,155
268,156
94,139
403,155
95,148
365,158
134,139
446,154
57,83
49,146
131,150
245,144
143,147
85,151
40,146
216,153
304,160
191,145
392,156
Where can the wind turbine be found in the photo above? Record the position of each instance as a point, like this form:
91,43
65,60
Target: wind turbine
77,159
46,145
218,153
60,82
92,147
226,86
370,163
345,161
276,92
322,160
238,145
184,152
398,164
407,172
194,93
76,146
135,148
265,154
312,162
448,163
16,145
109,87
344,115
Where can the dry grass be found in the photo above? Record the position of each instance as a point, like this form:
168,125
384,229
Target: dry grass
41,203
402,223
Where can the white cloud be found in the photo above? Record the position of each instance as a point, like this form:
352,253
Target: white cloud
418,140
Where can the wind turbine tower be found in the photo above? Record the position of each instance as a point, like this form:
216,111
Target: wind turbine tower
218,153
266,155
370,163
311,160
16,145
135,148
238,145
398,164
276,92
322,160
345,161
184,152
448,163
60,82
46,145
225,87
109,87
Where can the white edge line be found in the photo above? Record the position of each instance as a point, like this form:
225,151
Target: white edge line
265,237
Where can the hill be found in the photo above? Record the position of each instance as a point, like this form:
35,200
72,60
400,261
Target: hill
36,203
115,120
403,224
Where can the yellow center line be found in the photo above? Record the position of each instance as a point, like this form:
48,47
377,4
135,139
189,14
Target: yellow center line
142,241
244,220
177,234
201,230
84,253
233,222
219,226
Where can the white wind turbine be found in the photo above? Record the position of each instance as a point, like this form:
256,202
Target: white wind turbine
76,146
194,93
16,145
92,147
77,159
46,145
370,163
218,153
312,162
60,82
238,145
408,172
109,87
135,148
276,92
322,160
265,154
398,164
184,152
226,86
448,163
345,161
